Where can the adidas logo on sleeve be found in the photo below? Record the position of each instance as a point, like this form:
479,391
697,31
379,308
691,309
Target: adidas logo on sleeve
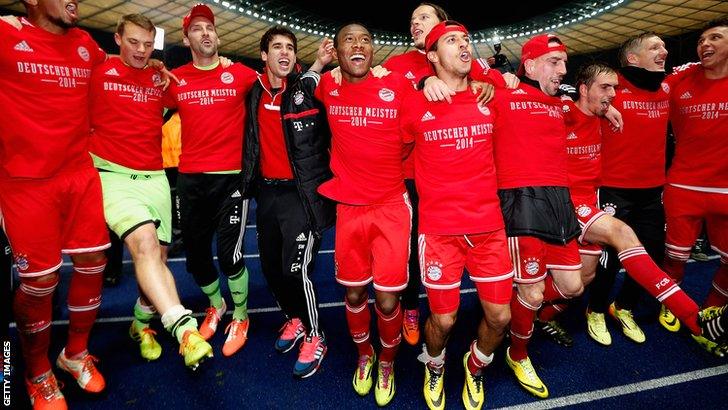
23,46
427,117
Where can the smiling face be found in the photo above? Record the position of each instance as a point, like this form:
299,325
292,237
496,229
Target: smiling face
713,47
280,57
424,18
650,54
135,45
353,45
202,38
453,55
548,69
600,94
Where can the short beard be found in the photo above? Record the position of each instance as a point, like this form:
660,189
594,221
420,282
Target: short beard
62,24
207,53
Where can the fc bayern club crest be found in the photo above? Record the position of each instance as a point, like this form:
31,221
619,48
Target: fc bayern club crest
298,98
665,88
83,53
583,211
483,109
434,270
609,208
386,94
21,261
226,78
156,79
532,266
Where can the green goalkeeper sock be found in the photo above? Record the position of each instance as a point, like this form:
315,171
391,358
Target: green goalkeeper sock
142,316
239,288
213,292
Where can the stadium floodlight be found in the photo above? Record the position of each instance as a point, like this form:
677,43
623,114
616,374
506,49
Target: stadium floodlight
159,38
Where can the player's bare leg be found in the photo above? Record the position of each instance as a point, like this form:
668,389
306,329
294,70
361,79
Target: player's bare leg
158,287
613,232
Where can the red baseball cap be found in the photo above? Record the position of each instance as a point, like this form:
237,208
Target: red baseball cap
538,46
199,10
440,30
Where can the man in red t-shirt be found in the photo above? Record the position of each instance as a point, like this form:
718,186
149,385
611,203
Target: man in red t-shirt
210,99
373,218
697,181
633,172
530,156
596,84
461,223
44,74
126,146
414,65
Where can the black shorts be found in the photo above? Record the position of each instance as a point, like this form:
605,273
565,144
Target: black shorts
211,204
545,212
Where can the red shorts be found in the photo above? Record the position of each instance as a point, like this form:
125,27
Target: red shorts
372,243
532,257
685,212
587,213
485,255
46,217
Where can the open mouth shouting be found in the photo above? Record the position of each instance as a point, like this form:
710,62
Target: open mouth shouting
72,9
358,58
284,63
707,54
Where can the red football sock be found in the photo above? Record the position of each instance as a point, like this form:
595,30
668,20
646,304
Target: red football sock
84,299
475,365
549,312
718,295
358,318
675,268
33,311
390,333
551,292
522,316
657,283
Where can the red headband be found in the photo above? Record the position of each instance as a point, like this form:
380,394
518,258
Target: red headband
440,30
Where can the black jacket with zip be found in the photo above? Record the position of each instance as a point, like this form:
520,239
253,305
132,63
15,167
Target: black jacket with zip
307,138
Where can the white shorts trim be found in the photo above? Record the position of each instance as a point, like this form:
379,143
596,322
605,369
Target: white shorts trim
494,278
442,287
564,267
349,283
390,288
589,252
529,281
87,250
588,224
712,190
41,273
